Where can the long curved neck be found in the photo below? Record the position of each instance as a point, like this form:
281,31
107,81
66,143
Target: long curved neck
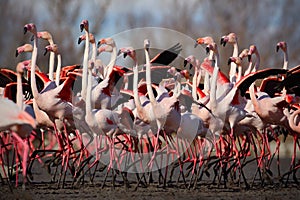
194,86
19,91
213,91
85,65
253,98
51,62
112,61
233,66
292,122
257,64
285,60
94,53
248,70
33,63
135,86
88,103
58,69
148,78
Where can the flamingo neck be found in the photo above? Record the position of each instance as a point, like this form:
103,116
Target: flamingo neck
285,60
94,52
19,91
85,65
112,61
51,65
233,66
248,70
257,64
194,86
239,76
213,91
32,68
58,69
292,122
88,103
148,78
253,98
51,62
135,86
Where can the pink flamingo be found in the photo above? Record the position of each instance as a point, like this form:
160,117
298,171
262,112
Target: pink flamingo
231,38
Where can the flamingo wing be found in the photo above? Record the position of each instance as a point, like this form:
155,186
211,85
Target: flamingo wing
168,55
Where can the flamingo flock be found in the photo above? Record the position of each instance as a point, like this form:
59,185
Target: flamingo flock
196,122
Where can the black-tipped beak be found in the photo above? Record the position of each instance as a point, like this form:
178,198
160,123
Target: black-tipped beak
25,30
277,48
207,50
196,44
229,61
98,44
125,54
79,40
185,62
81,27
45,51
191,66
223,42
17,53
119,52
249,58
32,38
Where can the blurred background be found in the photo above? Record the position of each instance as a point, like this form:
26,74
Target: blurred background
263,23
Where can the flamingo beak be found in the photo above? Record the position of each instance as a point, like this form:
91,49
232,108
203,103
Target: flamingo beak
125,54
102,41
185,62
81,27
17,53
25,30
196,44
207,50
223,42
46,50
32,38
249,58
277,48
79,40
119,52
229,61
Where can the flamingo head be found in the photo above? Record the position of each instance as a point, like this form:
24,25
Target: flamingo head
230,38
24,48
252,50
281,45
43,35
105,48
204,40
147,44
20,68
191,60
83,37
185,73
84,25
51,47
128,51
30,27
236,60
108,41
244,53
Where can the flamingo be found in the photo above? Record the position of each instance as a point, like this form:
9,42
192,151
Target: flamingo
283,46
231,38
84,25
21,125
53,48
47,36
